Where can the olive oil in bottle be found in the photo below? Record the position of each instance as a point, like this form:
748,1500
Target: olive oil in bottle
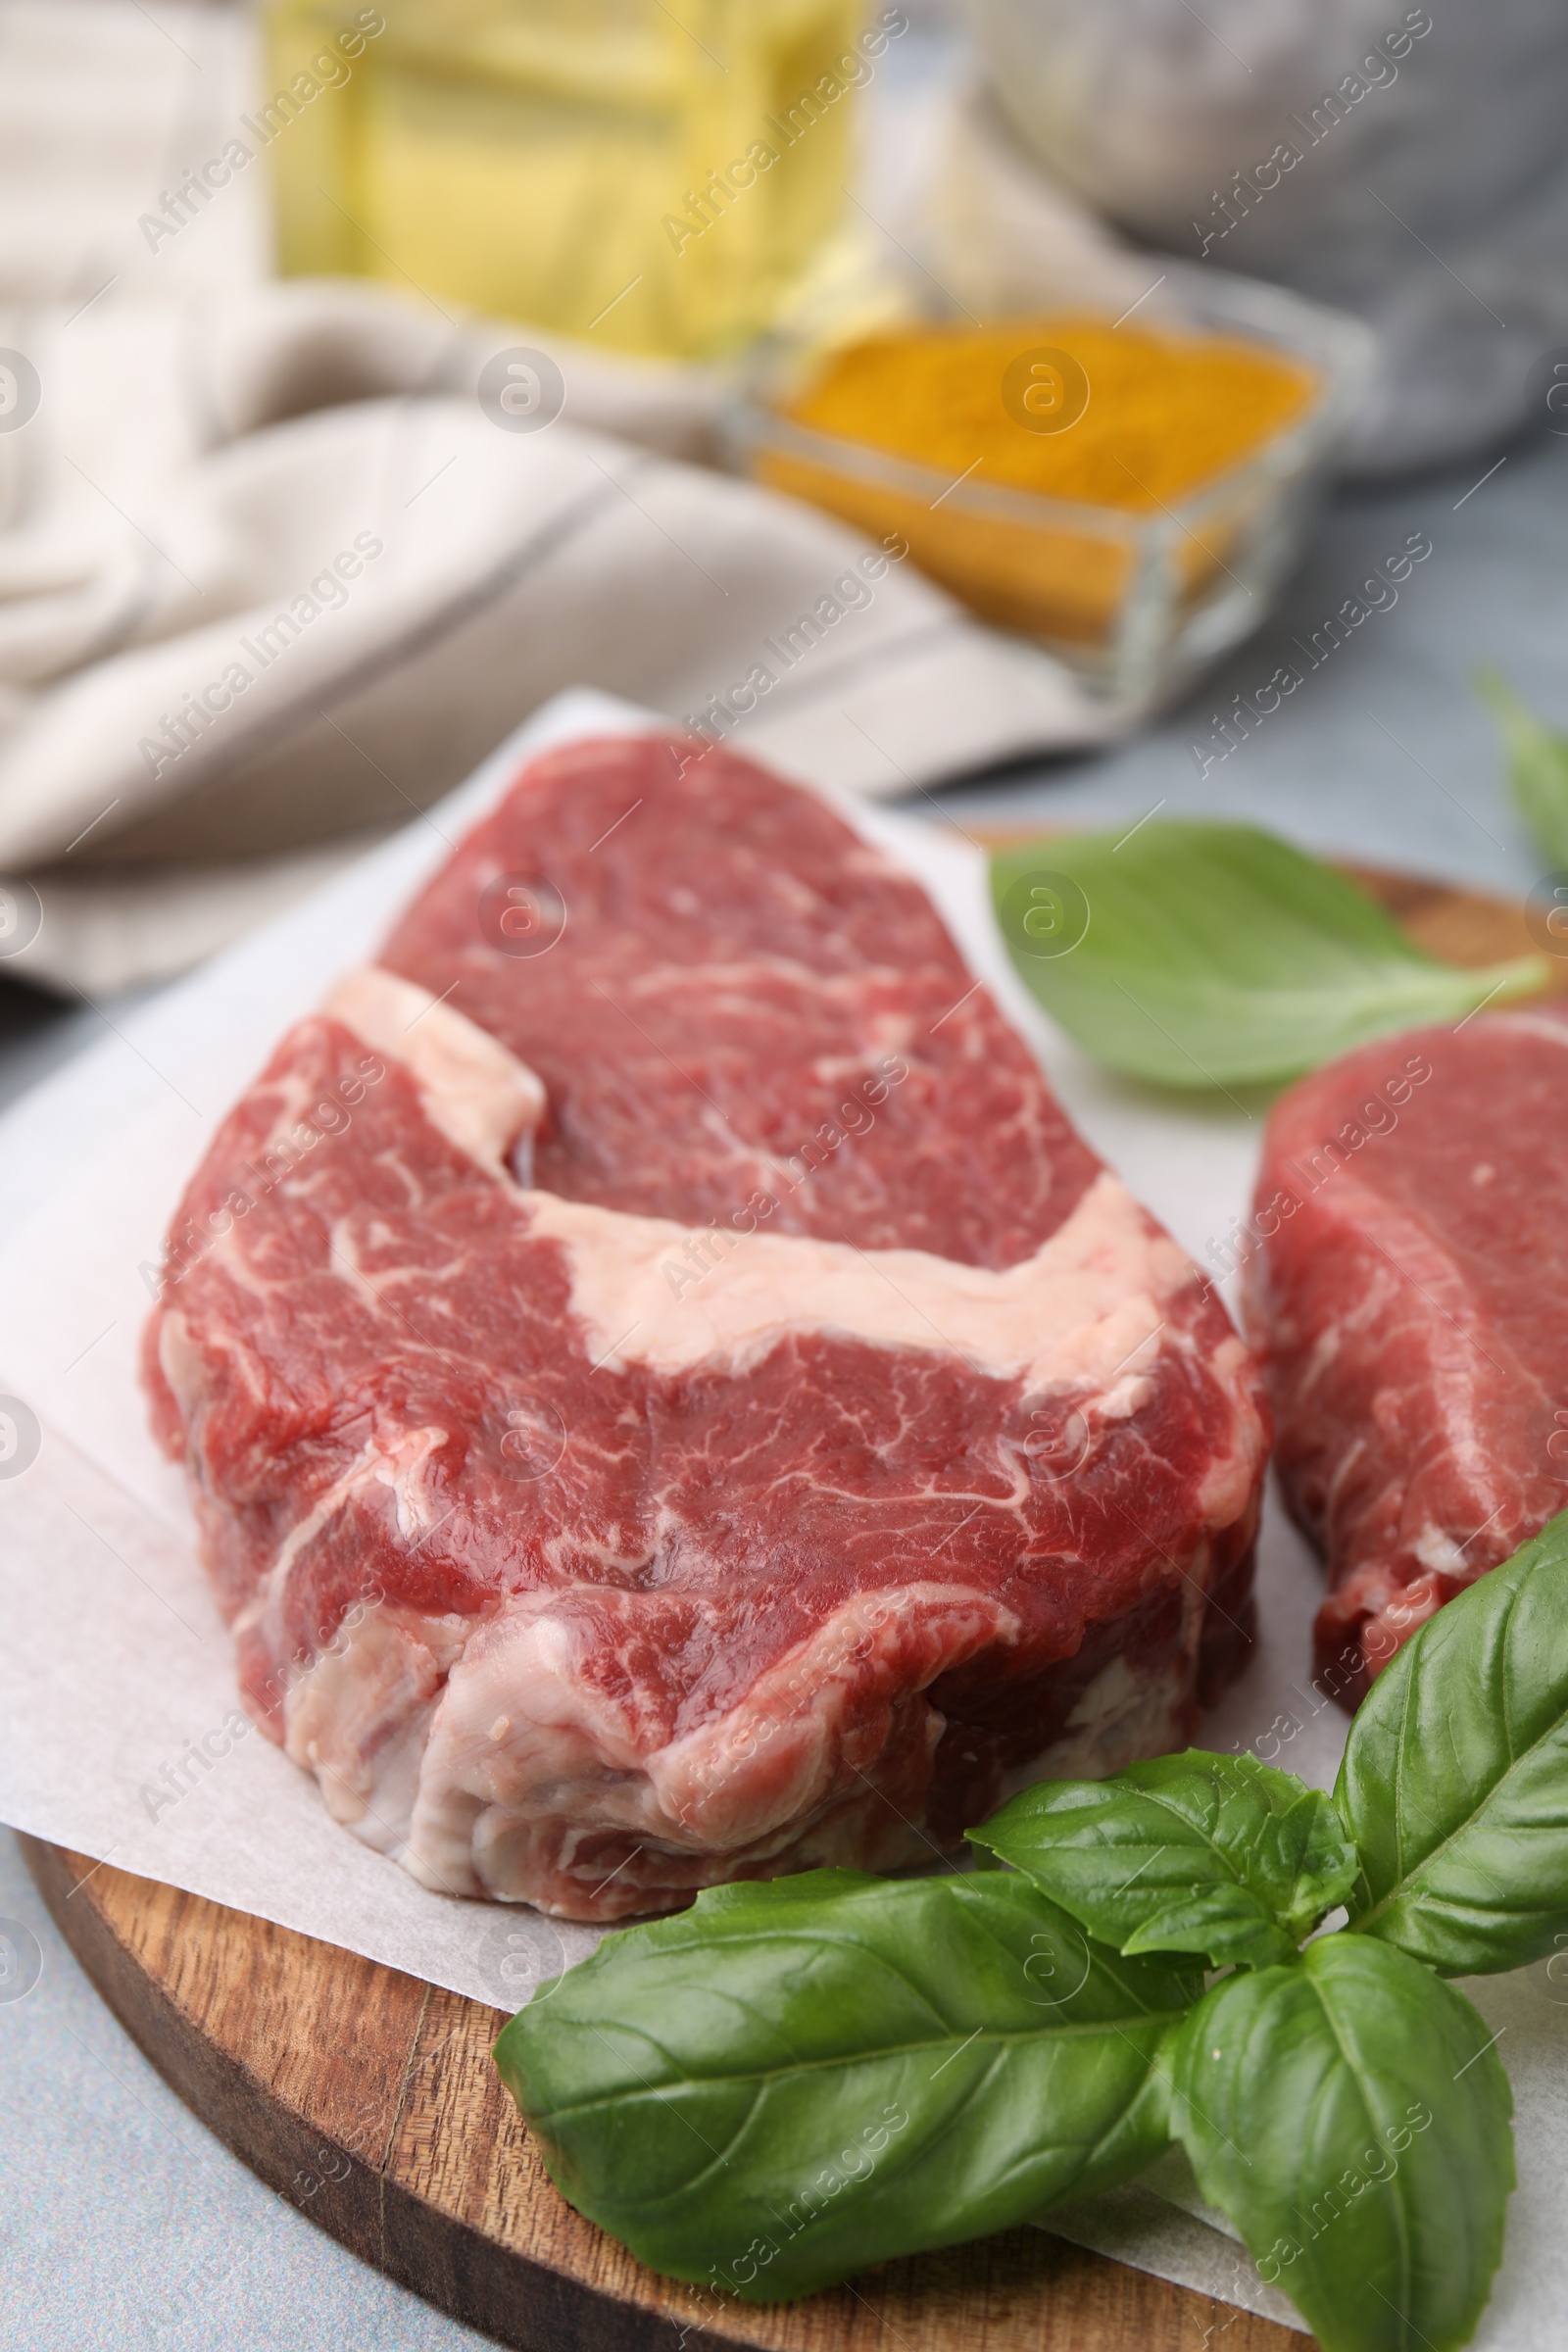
660,174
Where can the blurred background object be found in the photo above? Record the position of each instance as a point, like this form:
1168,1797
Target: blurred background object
548,246
1126,492
1407,166
199,711
563,161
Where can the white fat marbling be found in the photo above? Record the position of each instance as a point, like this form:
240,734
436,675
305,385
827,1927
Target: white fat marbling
1085,1312
483,1097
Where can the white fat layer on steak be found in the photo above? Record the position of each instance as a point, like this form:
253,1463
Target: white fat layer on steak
522,1745
499,1780
1085,1312
360,1717
483,1097
806,1723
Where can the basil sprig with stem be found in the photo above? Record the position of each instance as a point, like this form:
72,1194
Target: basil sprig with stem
794,2081
1217,1855
1201,955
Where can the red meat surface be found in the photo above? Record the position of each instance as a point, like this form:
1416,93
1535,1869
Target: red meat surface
1408,1304
759,1438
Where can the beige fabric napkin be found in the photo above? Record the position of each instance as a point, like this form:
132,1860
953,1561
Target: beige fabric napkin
278,563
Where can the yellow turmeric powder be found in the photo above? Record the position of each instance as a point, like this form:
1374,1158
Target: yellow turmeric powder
1166,412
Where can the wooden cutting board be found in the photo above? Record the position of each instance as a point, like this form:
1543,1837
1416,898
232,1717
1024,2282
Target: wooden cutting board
368,2099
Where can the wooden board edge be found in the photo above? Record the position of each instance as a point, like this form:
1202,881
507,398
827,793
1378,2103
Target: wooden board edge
433,2254
536,2307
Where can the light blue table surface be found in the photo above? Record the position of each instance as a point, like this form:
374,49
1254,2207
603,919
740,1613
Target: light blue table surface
1385,751
122,2221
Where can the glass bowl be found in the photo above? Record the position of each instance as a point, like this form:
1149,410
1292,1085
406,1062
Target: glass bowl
1135,604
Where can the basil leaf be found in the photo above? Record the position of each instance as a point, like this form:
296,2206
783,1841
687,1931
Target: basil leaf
1205,955
1352,2117
1537,768
1220,1855
794,2081
1455,1780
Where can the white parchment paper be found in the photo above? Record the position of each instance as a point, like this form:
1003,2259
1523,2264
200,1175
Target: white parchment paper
119,1730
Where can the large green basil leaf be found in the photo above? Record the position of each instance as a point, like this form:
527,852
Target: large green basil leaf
791,2082
1206,955
1454,1780
1350,2114
1220,1855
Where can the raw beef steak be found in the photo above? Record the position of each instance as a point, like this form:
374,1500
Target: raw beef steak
667,1395
1410,1300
